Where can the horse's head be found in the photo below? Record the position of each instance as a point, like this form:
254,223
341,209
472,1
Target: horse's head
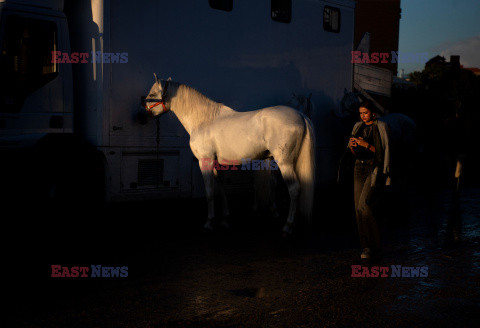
302,103
155,102
349,105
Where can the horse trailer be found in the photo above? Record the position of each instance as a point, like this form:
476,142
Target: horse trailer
73,74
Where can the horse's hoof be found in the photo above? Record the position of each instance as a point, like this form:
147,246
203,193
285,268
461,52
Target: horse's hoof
208,227
287,234
287,230
225,225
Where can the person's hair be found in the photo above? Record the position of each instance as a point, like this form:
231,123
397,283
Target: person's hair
369,105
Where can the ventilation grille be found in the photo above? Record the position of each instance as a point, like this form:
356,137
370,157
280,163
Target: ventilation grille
150,172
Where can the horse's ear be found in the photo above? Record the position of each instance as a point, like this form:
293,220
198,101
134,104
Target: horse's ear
169,79
156,78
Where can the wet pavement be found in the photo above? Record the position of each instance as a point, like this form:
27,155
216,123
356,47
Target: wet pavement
248,276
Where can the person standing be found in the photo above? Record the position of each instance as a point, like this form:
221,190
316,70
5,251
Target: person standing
369,143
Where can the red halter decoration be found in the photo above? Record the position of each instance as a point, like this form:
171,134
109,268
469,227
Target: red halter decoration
161,102
149,108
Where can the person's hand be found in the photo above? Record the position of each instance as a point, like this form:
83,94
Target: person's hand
361,142
352,142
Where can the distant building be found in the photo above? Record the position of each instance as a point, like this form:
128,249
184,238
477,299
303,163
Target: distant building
436,61
381,18
453,63
402,83
475,70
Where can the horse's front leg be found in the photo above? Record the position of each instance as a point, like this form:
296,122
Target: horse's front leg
208,179
293,185
221,188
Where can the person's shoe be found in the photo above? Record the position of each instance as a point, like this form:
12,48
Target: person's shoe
366,254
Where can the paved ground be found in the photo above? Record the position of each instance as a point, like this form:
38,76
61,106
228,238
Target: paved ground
179,276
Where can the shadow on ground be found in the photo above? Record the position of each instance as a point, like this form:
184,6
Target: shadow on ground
248,276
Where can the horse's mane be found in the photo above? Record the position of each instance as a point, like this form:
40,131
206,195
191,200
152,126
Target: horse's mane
194,105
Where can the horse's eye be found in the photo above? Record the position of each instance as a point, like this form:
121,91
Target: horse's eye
151,95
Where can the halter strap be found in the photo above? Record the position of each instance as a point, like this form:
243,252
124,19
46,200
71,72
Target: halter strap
159,101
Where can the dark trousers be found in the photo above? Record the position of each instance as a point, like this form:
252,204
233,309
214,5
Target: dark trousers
367,224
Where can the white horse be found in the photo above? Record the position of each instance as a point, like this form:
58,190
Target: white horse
220,133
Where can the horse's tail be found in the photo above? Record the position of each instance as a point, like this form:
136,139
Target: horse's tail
305,171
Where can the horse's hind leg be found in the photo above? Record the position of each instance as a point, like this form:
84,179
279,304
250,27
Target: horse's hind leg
273,195
265,192
208,179
288,174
